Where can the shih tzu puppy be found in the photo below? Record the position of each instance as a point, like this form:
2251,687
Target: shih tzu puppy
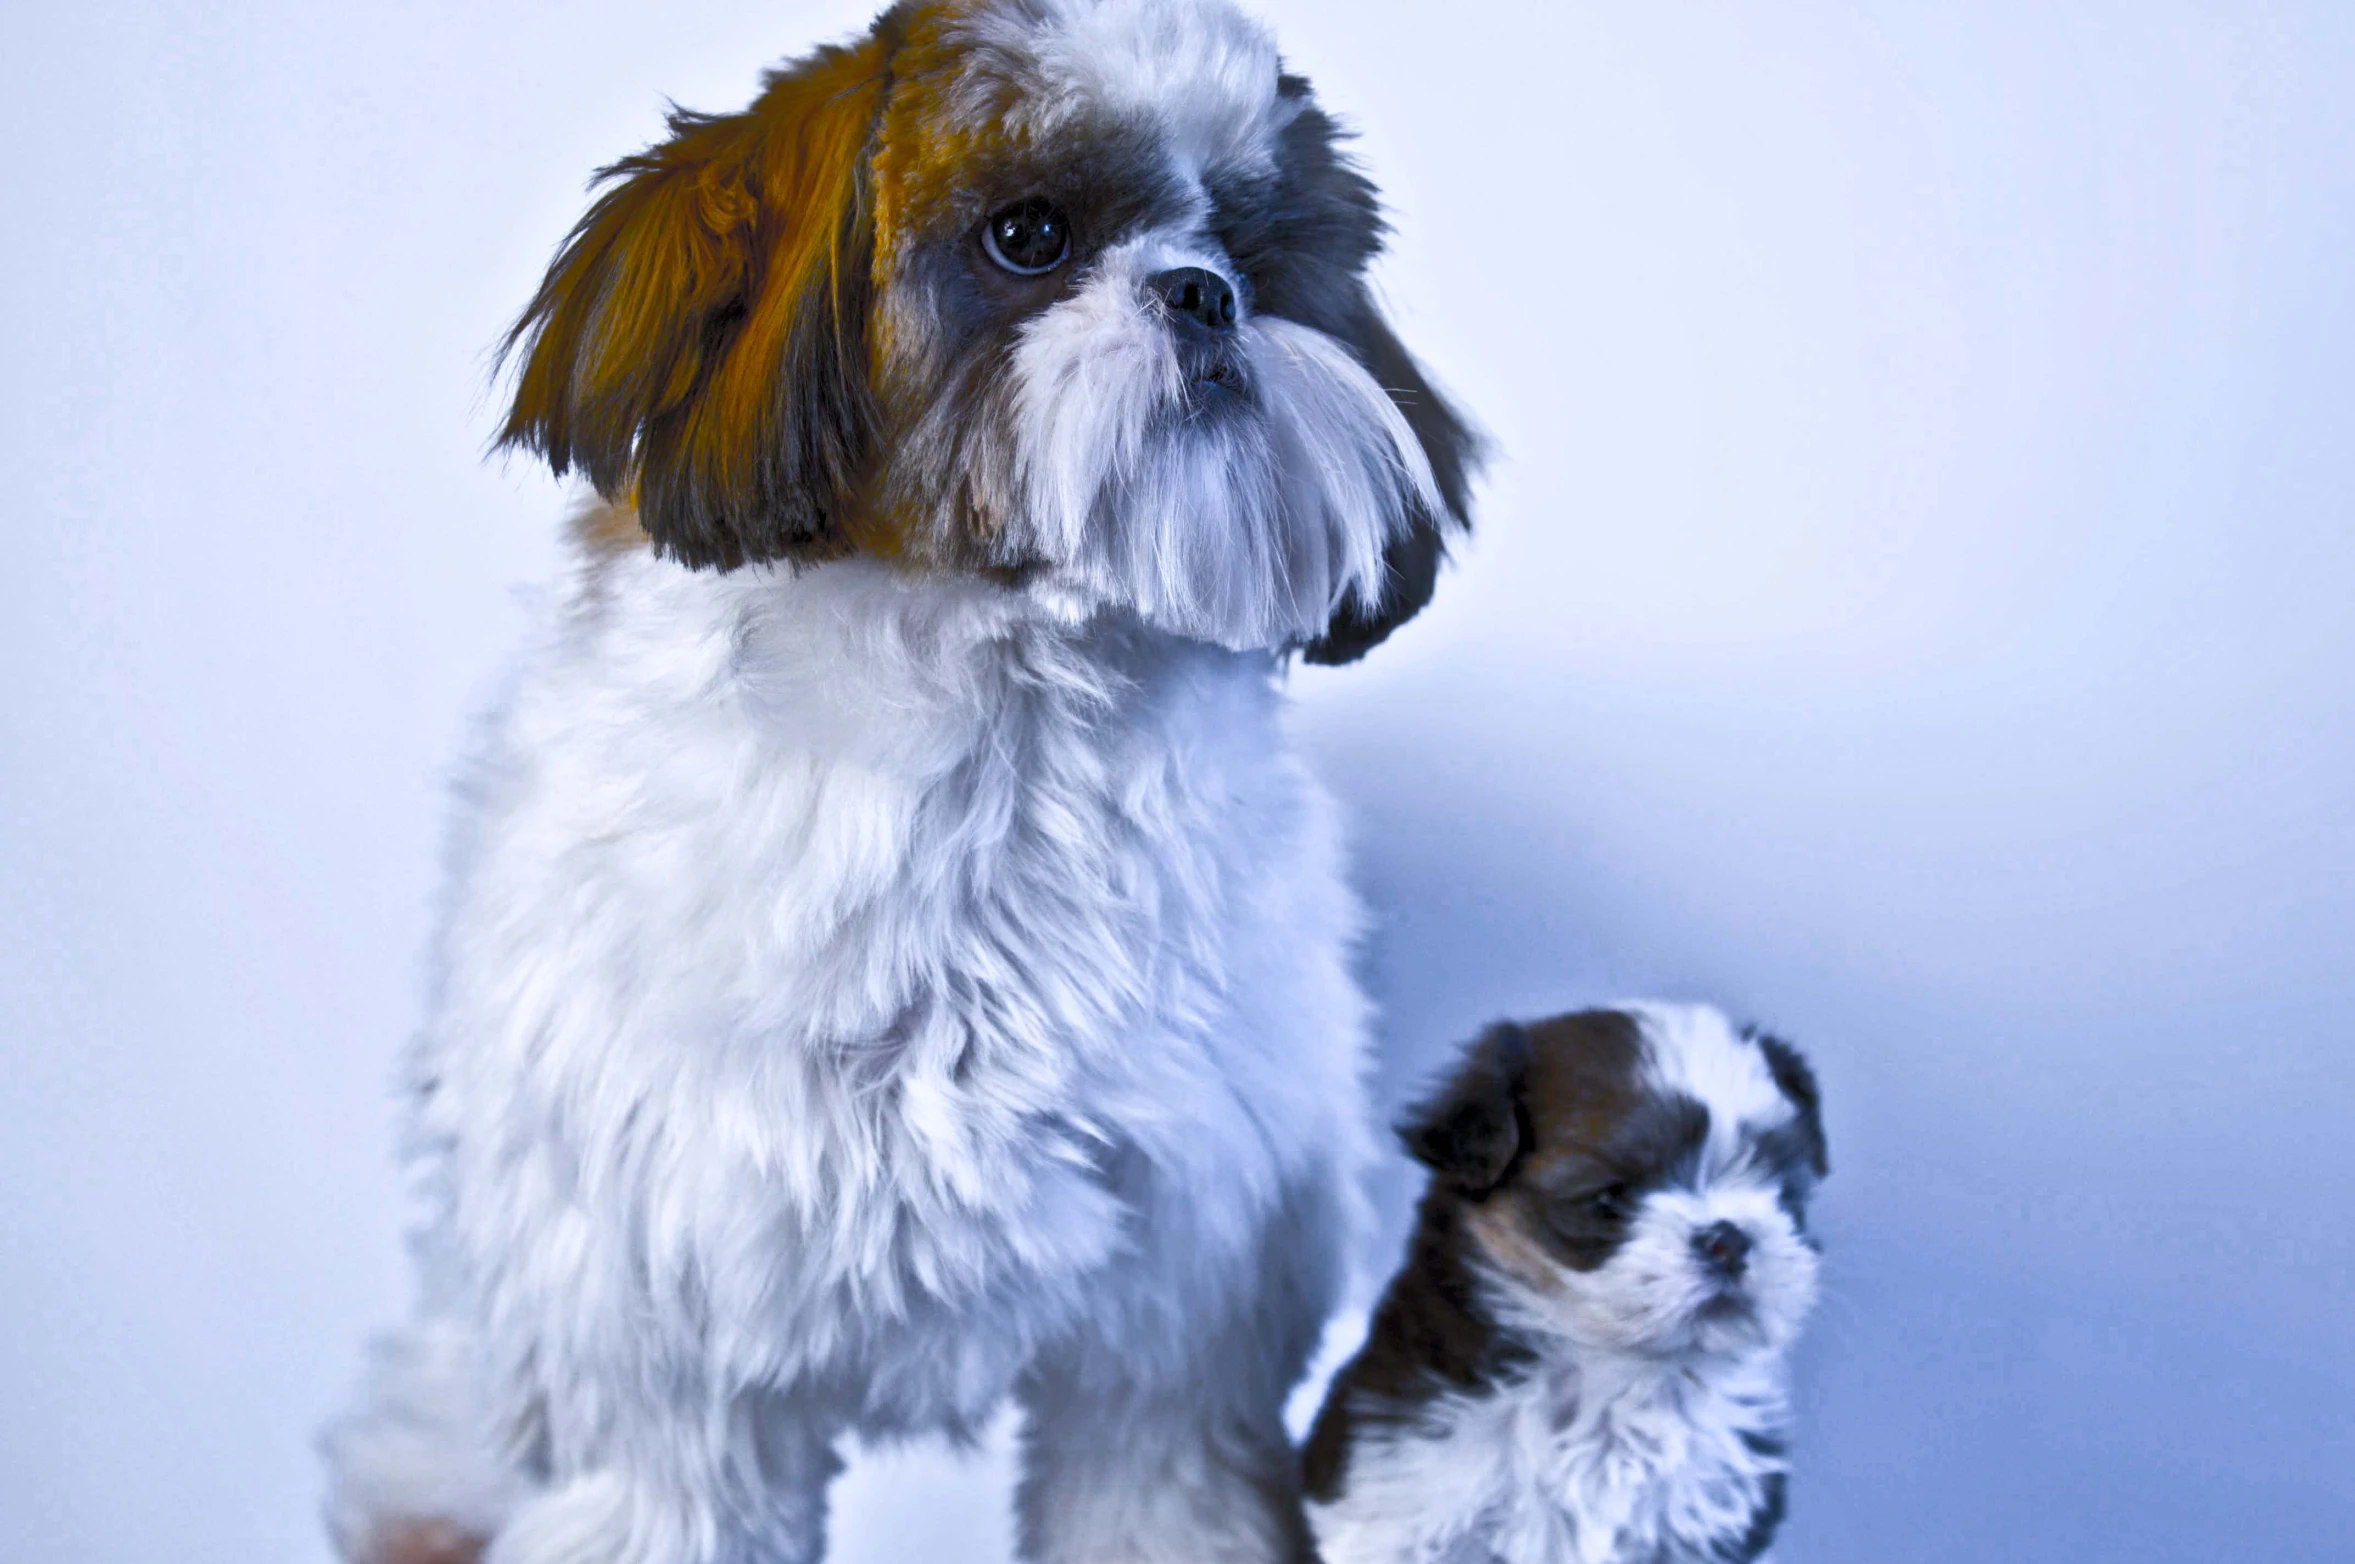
1582,1360
894,960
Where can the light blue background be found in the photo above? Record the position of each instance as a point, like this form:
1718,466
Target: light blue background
1915,606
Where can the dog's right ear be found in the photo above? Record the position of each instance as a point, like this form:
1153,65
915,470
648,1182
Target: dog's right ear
1792,1073
700,342
1476,1130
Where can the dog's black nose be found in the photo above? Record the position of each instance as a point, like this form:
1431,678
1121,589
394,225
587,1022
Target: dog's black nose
1723,1247
1198,294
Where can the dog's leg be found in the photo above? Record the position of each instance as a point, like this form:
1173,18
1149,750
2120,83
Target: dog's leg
1156,1476
746,1487
417,1470
1173,1451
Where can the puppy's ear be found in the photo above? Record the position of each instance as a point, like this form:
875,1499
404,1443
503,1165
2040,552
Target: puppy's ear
1475,1132
1307,263
701,338
1797,1080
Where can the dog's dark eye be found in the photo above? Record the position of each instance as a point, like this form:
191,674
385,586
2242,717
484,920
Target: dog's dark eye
1586,1227
1028,238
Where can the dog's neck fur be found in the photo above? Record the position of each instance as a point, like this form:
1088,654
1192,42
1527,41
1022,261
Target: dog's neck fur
941,723
1469,1429
960,859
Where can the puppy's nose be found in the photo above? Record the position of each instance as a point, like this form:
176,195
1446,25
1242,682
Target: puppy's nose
1196,293
1723,1247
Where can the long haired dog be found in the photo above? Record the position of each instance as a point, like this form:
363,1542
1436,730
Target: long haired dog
893,958
1581,1362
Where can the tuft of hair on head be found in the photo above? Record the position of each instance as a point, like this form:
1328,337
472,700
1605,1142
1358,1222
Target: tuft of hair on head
1474,1130
699,342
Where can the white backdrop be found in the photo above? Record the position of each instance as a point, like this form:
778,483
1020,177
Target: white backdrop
1916,606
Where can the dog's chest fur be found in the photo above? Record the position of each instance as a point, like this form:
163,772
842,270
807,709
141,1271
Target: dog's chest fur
1564,1465
840,968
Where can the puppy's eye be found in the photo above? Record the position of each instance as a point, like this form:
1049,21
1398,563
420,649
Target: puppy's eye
1029,238
1610,1204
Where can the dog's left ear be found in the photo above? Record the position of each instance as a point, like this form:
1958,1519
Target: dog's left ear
1797,1080
702,340
1410,563
1475,1132
1308,264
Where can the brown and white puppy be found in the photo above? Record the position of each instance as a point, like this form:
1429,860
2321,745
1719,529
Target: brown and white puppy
1581,1362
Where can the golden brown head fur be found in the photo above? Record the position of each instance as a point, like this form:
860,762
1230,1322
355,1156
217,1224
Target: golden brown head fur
700,339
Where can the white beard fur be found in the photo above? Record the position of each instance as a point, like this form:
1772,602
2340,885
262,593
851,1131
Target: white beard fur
859,998
1245,533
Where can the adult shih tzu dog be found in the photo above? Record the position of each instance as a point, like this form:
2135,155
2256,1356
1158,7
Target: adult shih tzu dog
1582,1359
893,959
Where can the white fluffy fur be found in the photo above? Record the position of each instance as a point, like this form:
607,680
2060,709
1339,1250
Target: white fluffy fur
1607,1461
1244,533
862,998
1627,1444
1202,72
